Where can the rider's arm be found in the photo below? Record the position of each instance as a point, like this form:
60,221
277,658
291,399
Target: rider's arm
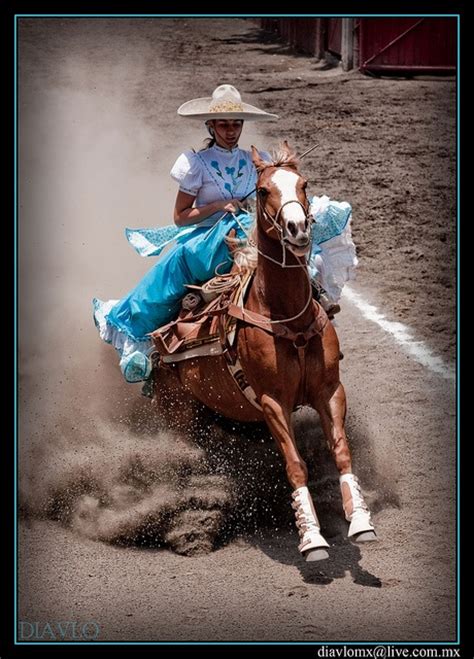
185,213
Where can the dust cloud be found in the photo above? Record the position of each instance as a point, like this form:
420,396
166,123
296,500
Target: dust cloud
88,169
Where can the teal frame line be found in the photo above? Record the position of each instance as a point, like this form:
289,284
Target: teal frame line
458,330
359,15
15,332
458,335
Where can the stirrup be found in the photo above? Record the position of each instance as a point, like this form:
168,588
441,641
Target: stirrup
332,310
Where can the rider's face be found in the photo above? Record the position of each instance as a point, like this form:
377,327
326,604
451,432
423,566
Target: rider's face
227,132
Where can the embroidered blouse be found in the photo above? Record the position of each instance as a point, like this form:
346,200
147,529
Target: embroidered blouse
215,173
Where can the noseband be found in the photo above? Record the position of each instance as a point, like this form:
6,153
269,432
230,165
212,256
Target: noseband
274,221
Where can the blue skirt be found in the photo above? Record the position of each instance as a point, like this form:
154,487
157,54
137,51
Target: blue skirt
198,253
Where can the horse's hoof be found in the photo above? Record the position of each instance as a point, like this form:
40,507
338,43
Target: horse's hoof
365,536
315,555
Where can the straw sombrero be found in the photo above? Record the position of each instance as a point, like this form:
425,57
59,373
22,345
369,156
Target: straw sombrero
225,103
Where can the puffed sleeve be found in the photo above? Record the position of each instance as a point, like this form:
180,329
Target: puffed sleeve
187,172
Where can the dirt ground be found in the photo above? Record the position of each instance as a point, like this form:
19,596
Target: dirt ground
99,484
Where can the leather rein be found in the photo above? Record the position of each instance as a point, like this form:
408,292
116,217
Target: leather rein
277,327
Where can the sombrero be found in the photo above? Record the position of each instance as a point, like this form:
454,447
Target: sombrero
225,103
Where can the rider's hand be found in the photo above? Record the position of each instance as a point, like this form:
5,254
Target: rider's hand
231,205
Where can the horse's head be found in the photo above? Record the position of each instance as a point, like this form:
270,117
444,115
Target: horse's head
282,204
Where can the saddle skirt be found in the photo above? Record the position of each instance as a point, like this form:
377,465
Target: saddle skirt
207,329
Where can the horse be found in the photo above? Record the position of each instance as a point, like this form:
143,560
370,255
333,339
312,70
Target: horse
288,350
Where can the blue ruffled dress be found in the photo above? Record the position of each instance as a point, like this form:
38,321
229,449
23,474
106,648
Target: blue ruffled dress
197,256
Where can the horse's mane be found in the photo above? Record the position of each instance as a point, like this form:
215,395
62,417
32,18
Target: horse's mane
281,157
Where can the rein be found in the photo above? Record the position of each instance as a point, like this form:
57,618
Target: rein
282,264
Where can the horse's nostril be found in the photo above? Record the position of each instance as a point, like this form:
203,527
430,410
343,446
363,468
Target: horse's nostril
292,228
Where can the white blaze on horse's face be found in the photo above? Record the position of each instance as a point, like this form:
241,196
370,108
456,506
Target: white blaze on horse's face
296,228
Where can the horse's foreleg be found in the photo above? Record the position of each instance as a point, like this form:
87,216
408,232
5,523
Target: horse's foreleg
332,412
278,420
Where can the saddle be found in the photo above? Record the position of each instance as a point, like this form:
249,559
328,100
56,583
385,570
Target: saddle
207,329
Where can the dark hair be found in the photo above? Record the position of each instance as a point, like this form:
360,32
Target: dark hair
208,142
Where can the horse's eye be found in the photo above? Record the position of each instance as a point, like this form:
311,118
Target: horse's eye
262,192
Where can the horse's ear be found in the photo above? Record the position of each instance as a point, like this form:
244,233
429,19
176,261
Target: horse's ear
257,158
289,156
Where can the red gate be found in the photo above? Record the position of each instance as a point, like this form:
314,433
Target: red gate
334,35
408,45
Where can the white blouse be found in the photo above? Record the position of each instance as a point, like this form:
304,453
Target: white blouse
216,173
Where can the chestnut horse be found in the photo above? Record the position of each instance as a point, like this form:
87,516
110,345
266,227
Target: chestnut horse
288,350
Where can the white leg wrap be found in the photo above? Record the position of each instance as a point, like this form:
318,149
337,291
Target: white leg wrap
307,521
355,508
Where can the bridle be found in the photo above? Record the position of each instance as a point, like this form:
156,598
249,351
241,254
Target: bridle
274,223
300,339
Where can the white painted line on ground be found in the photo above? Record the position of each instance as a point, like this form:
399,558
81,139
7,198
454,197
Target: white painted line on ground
403,335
